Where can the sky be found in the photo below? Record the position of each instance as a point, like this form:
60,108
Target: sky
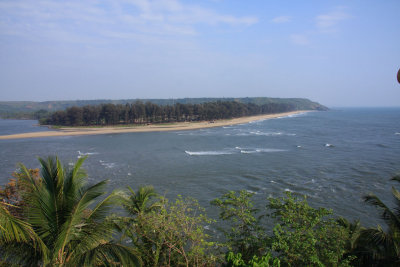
338,53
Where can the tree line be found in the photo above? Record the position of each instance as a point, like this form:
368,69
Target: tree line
144,113
52,217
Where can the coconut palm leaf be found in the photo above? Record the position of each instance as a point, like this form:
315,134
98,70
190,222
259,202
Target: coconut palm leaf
17,234
387,214
108,255
59,212
383,244
140,201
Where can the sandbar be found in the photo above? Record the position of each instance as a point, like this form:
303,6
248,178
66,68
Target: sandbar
180,126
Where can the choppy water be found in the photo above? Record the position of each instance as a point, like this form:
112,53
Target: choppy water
333,157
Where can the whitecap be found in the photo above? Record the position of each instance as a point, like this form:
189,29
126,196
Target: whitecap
288,190
267,150
293,115
329,145
247,151
108,165
260,150
260,133
208,153
87,153
397,133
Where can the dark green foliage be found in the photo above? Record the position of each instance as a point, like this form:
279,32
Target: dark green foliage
381,246
304,236
42,110
139,113
166,234
245,234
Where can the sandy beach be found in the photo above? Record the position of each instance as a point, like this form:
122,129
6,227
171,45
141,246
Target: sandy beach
184,126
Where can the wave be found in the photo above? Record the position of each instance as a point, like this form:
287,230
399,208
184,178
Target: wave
397,133
261,150
108,165
260,133
233,151
208,153
293,115
87,153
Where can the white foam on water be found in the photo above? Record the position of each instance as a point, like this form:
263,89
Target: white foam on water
87,153
293,115
260,133
108,165
329,145
248,151
288,190
208,153
397,133
260,150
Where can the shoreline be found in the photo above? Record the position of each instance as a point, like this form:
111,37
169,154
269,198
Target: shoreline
179,126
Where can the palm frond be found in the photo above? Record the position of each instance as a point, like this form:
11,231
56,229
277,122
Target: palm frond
16,231
108,254
74,181
100,211
140,201
386,213
70,227
396,178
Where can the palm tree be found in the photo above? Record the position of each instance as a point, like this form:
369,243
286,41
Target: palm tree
65,222
140,201
383,244
139,204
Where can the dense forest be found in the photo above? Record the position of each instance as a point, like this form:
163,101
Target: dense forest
52,217
144,113
38,110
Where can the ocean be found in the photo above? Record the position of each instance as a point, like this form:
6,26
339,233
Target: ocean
333,157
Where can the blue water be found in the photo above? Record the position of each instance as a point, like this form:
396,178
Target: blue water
333,157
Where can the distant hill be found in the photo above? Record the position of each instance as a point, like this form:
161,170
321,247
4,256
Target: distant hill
35,110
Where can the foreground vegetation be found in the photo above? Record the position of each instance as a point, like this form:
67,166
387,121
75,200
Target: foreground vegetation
52,217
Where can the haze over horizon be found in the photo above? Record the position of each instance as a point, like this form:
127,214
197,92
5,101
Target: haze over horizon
338,53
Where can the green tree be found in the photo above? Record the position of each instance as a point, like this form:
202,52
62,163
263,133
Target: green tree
303,236
64,221
244,235
167,234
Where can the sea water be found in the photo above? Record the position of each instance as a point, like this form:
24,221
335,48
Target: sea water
333,157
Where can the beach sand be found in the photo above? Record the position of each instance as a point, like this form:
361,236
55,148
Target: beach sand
182,126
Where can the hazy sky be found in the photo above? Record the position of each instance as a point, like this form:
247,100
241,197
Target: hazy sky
339,53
